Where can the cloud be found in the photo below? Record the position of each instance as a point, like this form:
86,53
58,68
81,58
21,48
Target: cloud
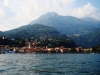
15,13
63,2
1,12
86,11
2,28
5,2
6,13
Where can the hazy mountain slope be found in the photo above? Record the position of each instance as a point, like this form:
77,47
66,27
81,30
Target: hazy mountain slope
92,21
88,40
64,24
1,33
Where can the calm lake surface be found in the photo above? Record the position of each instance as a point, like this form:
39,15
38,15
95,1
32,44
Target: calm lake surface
49,64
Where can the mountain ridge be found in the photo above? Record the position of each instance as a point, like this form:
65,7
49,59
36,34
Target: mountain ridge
52,24
65,24
43,35
31,30
89,39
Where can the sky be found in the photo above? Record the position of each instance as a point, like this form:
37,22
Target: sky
16,13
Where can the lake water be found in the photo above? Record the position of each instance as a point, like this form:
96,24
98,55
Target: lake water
49,64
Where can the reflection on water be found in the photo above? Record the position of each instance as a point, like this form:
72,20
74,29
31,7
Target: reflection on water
50,64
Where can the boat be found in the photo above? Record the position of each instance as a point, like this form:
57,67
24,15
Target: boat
10,52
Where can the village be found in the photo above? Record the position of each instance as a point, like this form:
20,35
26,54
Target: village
31,48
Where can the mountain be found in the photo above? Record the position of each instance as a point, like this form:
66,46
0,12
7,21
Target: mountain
85,30
43,35
35,30
66,24
1,33
92,21
88,40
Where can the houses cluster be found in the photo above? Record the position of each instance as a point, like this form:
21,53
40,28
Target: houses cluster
29,48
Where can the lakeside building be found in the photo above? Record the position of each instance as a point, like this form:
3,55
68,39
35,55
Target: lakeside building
31,47
40,49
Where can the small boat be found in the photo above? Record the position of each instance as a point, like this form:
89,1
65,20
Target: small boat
92,53
10,52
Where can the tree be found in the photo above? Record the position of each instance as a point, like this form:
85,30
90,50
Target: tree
73,50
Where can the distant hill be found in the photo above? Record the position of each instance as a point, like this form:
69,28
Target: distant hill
44,35
92,22
84,31
88,40
66,24
1,33
35,30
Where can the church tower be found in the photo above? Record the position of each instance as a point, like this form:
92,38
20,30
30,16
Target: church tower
29,45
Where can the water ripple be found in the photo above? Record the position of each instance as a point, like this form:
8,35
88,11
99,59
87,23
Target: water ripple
50,64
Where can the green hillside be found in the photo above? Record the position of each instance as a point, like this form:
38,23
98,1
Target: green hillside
42,35
88,40
35,30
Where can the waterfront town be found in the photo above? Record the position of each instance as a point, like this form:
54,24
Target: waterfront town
30,47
